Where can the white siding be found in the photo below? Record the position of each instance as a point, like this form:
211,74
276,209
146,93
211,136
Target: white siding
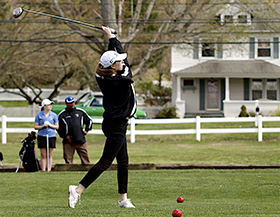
182,57
191,98
174,90
236,89
236,51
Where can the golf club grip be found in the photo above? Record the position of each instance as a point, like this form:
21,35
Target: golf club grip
68,19
113,31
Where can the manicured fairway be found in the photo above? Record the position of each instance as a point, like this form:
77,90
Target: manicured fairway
209,193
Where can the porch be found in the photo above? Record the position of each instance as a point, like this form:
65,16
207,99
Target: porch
220,87
207,114
232,108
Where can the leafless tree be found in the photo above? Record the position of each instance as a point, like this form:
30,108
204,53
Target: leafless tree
152,22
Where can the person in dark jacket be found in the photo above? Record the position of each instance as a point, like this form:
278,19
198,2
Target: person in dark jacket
114,78
71,129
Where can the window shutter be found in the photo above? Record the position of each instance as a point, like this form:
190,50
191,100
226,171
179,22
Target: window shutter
201,94
195,49
252,48
220,51
276,48
223,92
246,88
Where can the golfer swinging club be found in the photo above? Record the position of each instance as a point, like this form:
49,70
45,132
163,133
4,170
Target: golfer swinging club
114,78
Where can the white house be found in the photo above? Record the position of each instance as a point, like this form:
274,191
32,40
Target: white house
217,79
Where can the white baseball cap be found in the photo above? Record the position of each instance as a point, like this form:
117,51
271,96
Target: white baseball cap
109,57
46,102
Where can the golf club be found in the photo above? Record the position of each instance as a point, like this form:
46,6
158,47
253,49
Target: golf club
19,11
18,166
48,150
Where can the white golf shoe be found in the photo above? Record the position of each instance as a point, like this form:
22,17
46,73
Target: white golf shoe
73,196
126,204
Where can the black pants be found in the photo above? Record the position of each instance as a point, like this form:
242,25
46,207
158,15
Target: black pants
115,146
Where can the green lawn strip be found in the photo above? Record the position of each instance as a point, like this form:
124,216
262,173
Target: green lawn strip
31,125
173,126
14,104
209,137
213,149
208,193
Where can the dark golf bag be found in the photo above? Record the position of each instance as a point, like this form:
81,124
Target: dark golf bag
27,154
1,159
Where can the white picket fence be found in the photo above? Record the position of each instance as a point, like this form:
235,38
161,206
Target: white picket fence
259,129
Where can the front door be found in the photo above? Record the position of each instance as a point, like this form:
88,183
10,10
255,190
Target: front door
213,98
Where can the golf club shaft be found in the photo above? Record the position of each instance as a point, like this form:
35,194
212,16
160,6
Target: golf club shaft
67,19
48,150
18,166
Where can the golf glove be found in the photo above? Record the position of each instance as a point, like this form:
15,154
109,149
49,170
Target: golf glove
48,123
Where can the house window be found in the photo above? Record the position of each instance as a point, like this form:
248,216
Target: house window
208,50
271,89
257,87
188,84
264,49
228,19
242,19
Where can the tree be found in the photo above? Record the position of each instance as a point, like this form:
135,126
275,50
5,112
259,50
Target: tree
36,65
47,62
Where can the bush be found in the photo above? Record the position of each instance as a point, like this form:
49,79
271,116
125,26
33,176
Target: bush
254,114
276,112
167,112
155,95
243,112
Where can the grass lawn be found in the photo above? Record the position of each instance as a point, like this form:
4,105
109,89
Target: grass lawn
8,104
209,193
213,149
14,104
